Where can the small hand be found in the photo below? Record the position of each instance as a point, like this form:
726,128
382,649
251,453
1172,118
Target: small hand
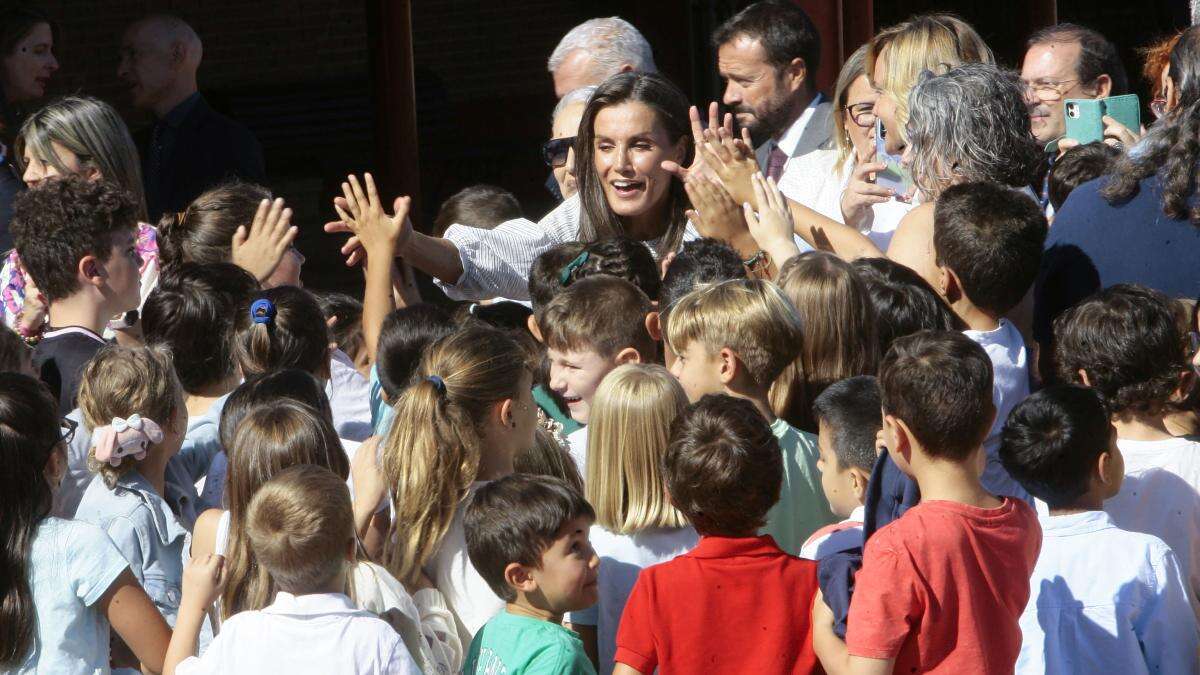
259,250
861,193
33,312
370,486
715,214
733,161
698,168
362,213
203,579
772,227
822,615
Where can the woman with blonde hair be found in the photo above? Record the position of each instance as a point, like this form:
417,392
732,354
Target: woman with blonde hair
636,525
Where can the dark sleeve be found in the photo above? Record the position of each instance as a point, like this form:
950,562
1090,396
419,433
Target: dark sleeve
889,494
835,575
249,156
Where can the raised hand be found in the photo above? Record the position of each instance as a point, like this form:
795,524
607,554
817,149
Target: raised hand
714,212
861,193
698,167
732,160
772,227
362,213
259,249
203,579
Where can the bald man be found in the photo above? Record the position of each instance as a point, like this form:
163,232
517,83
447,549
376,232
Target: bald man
191,147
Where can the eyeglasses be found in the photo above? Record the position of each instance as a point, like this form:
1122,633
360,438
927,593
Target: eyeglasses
67,427
1049,90
555,151
863,114
1158,107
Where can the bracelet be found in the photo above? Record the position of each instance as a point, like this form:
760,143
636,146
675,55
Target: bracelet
756,260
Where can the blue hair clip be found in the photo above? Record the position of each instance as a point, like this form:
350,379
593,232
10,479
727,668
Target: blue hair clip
262,311
575,264
438,383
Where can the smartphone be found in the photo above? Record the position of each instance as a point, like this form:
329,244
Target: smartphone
895,176
1083,116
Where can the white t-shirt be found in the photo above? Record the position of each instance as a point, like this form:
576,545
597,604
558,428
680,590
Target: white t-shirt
1104,600
318,633
71,566
349,396
468,595
1161,496
577,447
622,557
1010,385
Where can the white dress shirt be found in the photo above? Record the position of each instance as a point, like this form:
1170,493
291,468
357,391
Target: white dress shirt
811,131
318,633
1104,600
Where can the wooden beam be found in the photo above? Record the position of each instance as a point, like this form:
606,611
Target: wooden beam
389,28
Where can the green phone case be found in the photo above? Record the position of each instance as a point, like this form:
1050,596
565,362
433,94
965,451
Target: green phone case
1083,116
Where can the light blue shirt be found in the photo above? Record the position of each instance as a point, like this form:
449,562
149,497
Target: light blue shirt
146,531
382,414
202,448
1106,600
71,566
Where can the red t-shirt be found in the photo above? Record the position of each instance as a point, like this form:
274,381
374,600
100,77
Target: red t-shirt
941,589
728,606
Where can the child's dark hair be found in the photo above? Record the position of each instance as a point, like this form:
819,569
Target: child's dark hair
507,316
1051,441
405,334
702,261
14,353
1077,166
203,232
604,314
548,457
1127,339
30,432
482,206
851,411
57,223
620,257
347,329
904,302
991,237
280,385
286,331
192,312
545,275
723,466
940,385
514,520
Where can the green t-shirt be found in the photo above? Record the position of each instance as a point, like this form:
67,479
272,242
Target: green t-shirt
542,397
520,644
802,508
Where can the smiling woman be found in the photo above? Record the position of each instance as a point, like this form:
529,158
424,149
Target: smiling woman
632,125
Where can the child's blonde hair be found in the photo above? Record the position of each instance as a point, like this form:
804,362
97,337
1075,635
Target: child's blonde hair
435,447
934,42
301,528
627,435
122,381
750,316
548,457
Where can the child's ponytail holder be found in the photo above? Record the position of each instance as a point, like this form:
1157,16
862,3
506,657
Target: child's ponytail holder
575,264
124,438
262,311
438,383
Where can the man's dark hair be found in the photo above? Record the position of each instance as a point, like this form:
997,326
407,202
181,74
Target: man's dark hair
940,384
514,520
482,206
783,29
1097,56
850,410
1128,341
193,313
59,222
904,302
991,237
620,257
1052,440
723,466
545,274
700,261
405,335
1077,166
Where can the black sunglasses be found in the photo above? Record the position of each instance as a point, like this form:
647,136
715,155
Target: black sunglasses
555,151
67,427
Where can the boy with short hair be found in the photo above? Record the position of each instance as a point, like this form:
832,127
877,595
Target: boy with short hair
699,262
735,337
942,587
736,603
590,328
77,240
1125,343
1102,599
987,240
847,415
528,538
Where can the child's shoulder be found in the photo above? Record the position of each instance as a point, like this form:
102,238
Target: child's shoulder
944,521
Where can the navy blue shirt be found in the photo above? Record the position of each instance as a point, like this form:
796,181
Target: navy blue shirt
1093,244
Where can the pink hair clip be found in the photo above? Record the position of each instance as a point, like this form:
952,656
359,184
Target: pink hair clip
124,438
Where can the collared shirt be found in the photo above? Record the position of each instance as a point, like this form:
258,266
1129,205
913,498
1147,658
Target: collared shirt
1127,614
837,538
349,396
318,633
790,141
59,360
802,507
1010,385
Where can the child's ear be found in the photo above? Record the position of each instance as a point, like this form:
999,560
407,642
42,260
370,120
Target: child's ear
654,327
504,412
1083,378
56,468
519,577
858,483
948,284
1187,379
729,365
899,438
90,269
628,355
532,324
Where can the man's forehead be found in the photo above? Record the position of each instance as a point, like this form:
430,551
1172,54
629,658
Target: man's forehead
742,51
1049,59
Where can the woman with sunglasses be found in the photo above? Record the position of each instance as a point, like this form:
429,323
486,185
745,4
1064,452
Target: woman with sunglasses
836,182
559,151
632,125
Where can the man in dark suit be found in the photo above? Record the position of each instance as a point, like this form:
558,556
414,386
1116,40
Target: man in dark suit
191,147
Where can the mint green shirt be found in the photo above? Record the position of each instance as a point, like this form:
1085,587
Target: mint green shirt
520,644
802,508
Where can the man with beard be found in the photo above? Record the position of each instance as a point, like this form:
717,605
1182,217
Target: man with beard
768,55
